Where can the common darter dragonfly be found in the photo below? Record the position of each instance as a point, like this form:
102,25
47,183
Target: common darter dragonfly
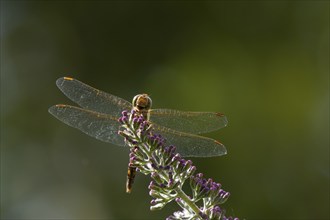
99,111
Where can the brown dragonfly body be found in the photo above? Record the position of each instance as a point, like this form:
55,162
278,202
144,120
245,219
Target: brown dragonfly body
141,104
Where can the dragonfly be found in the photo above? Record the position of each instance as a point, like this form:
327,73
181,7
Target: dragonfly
98,113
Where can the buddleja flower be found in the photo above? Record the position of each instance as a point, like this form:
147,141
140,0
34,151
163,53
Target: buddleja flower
169,171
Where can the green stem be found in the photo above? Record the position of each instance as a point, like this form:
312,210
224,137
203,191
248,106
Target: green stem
187,200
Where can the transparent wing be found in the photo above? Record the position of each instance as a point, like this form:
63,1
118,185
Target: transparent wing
91,98
100,126
189,122
190,145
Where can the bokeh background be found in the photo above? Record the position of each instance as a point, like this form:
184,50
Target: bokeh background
265,64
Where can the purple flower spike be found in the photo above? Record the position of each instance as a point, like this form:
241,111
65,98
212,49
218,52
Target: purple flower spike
154,166
135,121
170,182
199,175
169,171
182,162
124,113
153,202
178,199
213,188
216,212
216,209
133,112
223,195
152,185
132,160
188,163
192,169
140,120
171,149
176,157
203,215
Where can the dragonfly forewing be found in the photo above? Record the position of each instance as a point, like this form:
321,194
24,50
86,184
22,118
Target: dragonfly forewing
98,125
188,122
91,98
190,145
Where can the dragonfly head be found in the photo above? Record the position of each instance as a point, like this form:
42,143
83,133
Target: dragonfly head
142,102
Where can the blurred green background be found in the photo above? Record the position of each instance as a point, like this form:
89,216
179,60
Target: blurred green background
265,64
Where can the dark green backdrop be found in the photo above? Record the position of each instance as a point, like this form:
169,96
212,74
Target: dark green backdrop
265,64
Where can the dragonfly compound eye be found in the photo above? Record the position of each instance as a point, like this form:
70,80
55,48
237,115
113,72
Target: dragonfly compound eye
142,101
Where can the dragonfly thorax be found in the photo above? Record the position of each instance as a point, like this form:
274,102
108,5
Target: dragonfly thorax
142,104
